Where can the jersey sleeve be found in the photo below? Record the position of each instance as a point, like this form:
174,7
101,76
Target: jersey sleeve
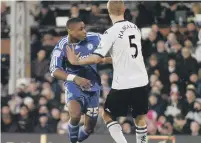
56,60
106,42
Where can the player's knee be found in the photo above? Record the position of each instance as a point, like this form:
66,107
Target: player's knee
140,120
75,117
107,117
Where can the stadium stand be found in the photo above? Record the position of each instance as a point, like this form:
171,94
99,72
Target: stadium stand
171,49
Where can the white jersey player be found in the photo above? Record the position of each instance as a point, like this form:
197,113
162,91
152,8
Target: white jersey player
130,79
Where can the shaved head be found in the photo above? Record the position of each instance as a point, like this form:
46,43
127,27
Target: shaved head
116,7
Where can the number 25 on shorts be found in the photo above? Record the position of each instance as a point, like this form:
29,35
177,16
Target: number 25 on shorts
92,112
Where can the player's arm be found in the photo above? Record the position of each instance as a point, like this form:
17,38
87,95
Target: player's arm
57,71
106,60
99,54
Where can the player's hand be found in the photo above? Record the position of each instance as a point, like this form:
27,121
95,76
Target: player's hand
84,84
72,57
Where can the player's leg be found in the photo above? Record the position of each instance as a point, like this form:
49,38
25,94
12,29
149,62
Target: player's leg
73,124
91,115
141,128
139,103
87,128
74,103
115,106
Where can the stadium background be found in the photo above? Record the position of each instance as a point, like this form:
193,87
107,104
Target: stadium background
171,49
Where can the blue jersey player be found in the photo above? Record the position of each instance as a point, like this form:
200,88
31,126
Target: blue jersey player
82,83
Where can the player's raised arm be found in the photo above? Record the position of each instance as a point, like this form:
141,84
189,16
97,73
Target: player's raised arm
99,54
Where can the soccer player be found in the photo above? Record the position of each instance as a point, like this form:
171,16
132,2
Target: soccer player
130,79
82,83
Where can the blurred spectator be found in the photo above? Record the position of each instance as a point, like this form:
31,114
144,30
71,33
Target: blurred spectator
62,101
155,104
174,108
194,12
50,97
43,126
174,27
171,41
195,129
149,45
155,29
75,13
4,23
14,104
40,66
62,124
42,101
151,128
164,127
193,79
191,33
43,110
153,66
25,124
199,83
141,21
172,68
189,102
188,63
170,13
33,112
8,124
195,114
48,43
55,117
188,44
126,127
46,17
95,16
162,54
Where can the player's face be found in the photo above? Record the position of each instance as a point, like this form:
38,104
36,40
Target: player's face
78,31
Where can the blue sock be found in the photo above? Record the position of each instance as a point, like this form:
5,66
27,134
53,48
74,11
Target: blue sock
73,132
83,135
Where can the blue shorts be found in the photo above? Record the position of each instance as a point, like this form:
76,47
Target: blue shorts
89,101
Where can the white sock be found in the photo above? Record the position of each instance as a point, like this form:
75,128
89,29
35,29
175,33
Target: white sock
116,132
141,134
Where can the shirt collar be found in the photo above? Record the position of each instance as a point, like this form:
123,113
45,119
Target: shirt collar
120,21
77,42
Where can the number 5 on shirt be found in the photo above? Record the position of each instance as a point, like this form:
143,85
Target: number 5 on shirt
133,45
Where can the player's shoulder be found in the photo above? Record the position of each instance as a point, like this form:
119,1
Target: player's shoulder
93,35
60,44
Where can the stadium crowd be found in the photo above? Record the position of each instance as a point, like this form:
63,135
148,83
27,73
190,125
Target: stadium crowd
173,63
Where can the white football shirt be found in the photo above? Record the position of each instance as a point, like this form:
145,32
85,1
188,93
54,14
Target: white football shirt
123,42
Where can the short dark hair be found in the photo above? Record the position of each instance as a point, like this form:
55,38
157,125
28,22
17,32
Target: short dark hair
72,21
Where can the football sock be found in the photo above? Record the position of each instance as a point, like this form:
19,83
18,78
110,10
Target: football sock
73,132
83,135
141,134
116,132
